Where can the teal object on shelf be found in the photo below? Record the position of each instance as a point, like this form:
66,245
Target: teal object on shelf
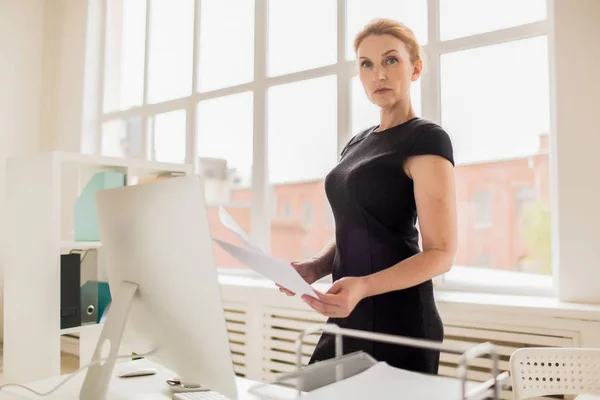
85,218
104,299
95,301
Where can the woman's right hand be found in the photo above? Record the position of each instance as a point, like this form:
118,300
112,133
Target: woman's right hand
311,270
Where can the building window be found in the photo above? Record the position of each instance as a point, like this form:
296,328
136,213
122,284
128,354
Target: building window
286,210
482,209
307,214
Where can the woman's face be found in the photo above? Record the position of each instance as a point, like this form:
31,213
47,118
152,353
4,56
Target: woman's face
385,70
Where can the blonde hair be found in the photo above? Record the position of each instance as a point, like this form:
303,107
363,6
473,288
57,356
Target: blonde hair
384,26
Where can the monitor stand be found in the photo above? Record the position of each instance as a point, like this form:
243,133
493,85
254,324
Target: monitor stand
99,375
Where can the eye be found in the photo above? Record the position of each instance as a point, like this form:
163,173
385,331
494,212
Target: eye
392,60
365,64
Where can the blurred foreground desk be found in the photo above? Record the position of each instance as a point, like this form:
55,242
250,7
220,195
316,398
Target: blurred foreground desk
140,388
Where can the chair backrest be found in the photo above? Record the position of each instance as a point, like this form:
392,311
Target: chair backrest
542,371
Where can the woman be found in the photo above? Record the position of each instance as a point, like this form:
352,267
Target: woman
388,174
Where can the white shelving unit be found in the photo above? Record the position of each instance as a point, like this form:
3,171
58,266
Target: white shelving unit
41,193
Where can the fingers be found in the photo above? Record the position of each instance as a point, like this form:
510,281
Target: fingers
286,291
329,298
335,288
327,309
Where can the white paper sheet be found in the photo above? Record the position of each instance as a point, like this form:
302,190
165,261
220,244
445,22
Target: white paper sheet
274,269
229,223
385,382
253,257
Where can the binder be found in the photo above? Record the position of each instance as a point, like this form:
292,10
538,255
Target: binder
70,275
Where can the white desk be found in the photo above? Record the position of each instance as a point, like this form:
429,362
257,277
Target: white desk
140,388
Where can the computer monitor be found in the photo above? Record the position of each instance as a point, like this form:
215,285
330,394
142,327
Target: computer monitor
158,252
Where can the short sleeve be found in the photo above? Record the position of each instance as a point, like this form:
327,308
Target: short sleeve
434,141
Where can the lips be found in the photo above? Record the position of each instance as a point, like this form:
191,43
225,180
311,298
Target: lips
382,91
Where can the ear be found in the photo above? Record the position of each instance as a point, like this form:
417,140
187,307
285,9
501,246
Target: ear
417,69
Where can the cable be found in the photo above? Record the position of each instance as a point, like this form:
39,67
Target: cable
85,252
71,375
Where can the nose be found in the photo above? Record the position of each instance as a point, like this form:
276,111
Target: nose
380,73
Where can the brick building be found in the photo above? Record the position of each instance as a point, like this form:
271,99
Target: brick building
502,215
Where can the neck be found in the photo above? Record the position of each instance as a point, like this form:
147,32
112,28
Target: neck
396,115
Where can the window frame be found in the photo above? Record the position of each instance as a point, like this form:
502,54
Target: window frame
261,209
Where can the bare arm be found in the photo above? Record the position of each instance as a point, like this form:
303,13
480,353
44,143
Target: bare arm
324,259
434,187
315,267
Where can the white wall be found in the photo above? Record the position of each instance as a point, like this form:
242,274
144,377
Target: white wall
21,44
575,148
42,53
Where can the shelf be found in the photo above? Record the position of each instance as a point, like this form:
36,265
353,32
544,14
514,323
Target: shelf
66,245
41,219
79,329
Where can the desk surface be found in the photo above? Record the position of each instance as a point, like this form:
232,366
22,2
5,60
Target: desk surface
144,388
140,388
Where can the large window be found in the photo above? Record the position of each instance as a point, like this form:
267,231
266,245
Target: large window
261,102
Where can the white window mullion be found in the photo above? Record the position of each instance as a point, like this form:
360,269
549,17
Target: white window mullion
344,104
430,77
303,75
150,148
191,151
520,32
152,109
147,153
259,214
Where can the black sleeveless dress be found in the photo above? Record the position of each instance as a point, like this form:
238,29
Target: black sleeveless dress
375,215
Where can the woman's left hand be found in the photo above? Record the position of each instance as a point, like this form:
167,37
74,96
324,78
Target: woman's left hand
340,299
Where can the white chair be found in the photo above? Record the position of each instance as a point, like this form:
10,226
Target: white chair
542,371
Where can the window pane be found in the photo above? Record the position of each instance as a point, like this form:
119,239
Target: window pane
122,138
225,152
169,137
301,153
495,104
459,18
171,49
226,55
124,65
495,99
413,13
296,44
366,114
